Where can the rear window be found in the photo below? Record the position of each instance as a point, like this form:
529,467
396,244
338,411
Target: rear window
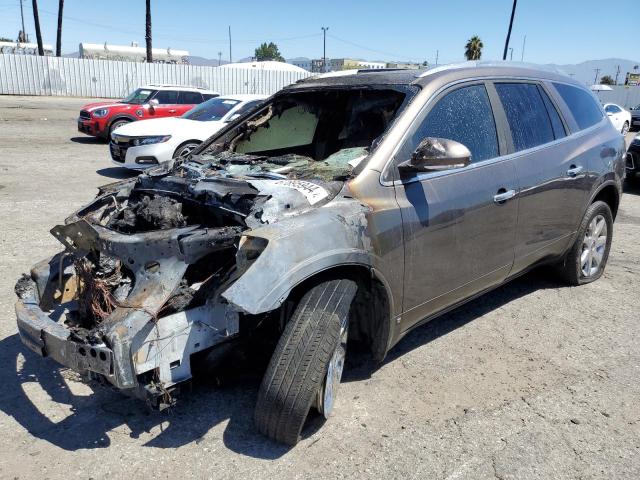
527,114
583,106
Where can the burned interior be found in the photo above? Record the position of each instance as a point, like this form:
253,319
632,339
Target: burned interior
139,287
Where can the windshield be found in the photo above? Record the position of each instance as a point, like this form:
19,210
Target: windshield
322,134
139,96
211,110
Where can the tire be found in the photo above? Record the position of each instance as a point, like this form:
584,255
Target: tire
298,368
116,124
575,264
185,149
625,128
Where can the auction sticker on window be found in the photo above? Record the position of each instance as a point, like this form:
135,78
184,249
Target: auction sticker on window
312,192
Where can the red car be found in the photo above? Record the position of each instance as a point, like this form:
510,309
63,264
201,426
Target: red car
151,101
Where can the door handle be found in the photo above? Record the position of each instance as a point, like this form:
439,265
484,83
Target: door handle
574,171
173,110
503,195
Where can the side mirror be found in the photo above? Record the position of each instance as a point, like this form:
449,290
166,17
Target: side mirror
153,103
435,155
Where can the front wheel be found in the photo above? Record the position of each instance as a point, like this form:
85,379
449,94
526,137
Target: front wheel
184,150
625,128
587,259
306,366
115,125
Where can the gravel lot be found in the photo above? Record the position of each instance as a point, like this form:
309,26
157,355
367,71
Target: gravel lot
533,380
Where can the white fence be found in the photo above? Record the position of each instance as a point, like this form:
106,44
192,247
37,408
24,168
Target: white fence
627,97
78,77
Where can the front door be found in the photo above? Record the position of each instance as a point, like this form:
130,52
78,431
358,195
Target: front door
459,225
168,105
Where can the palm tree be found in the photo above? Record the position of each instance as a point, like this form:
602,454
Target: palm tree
473,48
148,32
59,34
36,20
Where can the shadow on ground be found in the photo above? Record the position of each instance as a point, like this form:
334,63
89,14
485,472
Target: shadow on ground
92,417
89,140
117,173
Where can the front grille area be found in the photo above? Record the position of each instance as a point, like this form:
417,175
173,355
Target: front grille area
118,150
85,115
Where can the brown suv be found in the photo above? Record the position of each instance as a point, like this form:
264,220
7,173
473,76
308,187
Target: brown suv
346,209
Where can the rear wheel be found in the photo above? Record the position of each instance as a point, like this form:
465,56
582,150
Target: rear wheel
306,366
588,257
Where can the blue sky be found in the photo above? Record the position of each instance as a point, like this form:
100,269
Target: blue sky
558,31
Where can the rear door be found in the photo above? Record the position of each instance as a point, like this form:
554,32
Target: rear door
188,100
459,235
550,172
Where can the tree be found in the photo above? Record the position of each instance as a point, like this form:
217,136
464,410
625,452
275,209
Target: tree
268,52
5,39
36,20
473,48
59,33
147,35
607,80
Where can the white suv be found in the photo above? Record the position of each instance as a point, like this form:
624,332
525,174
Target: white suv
140,145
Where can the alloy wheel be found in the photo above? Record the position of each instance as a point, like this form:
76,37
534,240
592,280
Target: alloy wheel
594,246
326,396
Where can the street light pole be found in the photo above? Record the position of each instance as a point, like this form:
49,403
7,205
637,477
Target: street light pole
24,33
324,49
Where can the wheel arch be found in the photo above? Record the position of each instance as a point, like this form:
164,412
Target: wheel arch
608,193
120,116
182,144
372,310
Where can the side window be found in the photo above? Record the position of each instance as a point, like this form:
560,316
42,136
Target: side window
526,113
583,106
554,116
463,115
612,109
190,98
167,97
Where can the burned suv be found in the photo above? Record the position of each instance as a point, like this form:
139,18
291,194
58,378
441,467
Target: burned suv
347,210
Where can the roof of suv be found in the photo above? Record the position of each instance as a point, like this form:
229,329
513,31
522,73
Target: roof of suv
455,71
155,86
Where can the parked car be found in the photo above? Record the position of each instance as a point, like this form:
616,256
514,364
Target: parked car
151,101
143,144
345,209
620,118
635,117
633,160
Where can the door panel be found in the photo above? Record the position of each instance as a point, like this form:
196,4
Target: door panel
458,240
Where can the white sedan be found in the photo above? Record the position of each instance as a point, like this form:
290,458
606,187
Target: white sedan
143,144
620,117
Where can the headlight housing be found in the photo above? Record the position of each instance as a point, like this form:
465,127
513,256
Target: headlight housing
100,113
149,140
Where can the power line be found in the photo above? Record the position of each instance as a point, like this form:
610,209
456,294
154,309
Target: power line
370,49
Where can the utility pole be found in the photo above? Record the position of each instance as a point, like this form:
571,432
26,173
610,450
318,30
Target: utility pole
147,29
506,43
230,44
437,54
524,42
324,49
219,58
595,81
36,19
617,74
511,54
23,38
59,31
